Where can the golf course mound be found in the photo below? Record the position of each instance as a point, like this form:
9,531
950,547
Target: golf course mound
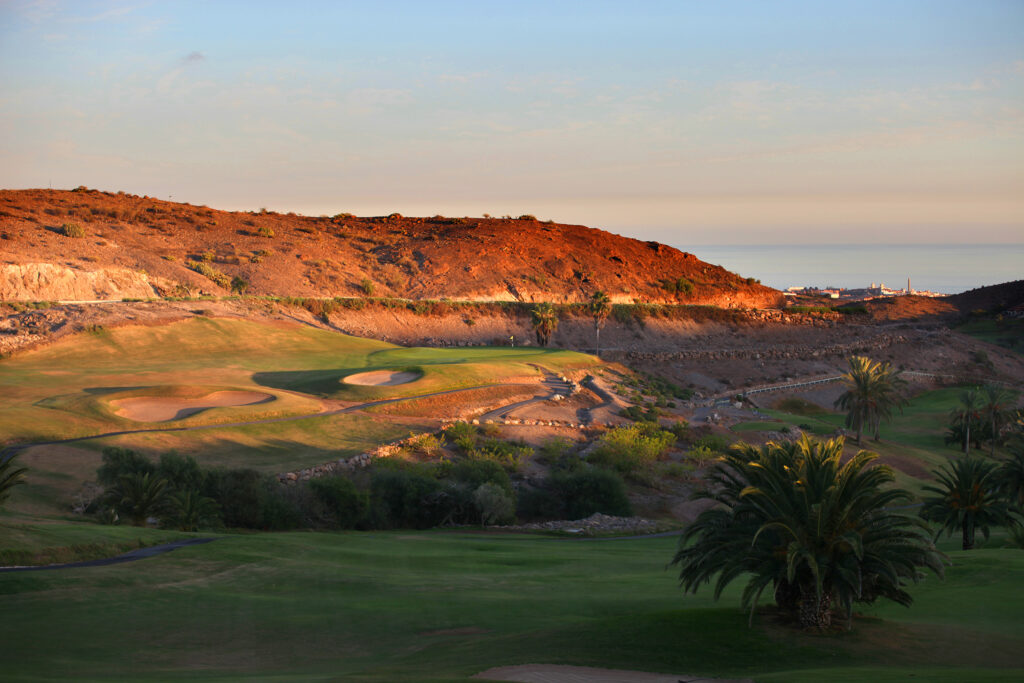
382,378
167,408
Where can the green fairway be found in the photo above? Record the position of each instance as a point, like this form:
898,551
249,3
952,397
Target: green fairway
438,606
75,387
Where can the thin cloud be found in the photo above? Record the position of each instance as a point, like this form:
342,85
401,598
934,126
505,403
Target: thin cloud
193,57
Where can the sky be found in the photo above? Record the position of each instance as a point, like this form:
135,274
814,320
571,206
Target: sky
685,122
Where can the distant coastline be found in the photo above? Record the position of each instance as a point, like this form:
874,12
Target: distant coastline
946,268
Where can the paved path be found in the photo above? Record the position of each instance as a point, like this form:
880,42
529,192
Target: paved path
132,556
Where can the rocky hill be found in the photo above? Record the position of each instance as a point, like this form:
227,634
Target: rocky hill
86,244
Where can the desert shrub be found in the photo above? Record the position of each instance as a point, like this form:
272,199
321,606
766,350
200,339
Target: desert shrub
72,230
714,442
344,504
681,430
210,272
509,455
367,286
650,414
208,256
627,449
238,285
495,504
701,454
799,406
265,231
119,462
425,444
461,430
677,286
527,217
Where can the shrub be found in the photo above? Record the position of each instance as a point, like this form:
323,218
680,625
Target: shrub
238,285
240,494
713,442
72,230
181,472
588,491
366,285
626,449
345,505
265,231
677,286
527,217
210,272
474,472
495,504
119,462
404,498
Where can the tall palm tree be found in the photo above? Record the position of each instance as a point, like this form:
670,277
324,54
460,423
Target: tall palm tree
10,475
967,412
793,518
140,496
968,499
190,509
997,404
872,394
600,307
545,322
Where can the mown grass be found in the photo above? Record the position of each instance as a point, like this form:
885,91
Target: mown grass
63,390
437,606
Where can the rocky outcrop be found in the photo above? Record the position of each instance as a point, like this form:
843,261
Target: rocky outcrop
52,282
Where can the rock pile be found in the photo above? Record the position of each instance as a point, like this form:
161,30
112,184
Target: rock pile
596,524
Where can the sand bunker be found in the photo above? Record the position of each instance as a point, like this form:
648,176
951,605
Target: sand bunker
554,673
164,408
381,378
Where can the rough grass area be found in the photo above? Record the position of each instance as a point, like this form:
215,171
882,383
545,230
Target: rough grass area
462,403
432,606
1008,332
46,542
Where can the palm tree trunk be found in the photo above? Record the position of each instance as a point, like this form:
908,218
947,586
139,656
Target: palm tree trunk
968,533
597,330
967,436
815,611
993,451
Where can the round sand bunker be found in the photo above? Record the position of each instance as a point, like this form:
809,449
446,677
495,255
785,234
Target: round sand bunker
382,378
165,408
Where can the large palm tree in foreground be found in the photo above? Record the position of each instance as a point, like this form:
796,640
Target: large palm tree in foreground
872,394
820,534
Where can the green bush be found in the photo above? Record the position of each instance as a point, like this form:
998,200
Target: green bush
210,272
626,449
677,286
405,499
575,495
240,494
119,462
495,504
367,286
474,472
345,505
265,231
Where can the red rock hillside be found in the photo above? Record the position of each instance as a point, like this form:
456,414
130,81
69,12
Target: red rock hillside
86,244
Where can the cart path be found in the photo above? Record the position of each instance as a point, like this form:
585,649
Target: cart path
132,556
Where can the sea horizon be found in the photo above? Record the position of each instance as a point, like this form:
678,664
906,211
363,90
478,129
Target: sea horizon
943,268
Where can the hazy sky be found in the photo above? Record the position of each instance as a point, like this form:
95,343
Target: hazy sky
687,122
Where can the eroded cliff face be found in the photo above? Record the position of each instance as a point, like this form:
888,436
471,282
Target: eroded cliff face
52,282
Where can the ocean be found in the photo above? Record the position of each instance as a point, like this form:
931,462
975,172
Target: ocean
945,268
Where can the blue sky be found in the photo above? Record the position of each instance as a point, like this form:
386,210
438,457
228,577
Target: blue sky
687,122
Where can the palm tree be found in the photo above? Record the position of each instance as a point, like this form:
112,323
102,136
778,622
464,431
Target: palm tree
545,322
600,307
872,394
968,499
140,496
966,413
997,404
1010,476
190,509
791,517
10,475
